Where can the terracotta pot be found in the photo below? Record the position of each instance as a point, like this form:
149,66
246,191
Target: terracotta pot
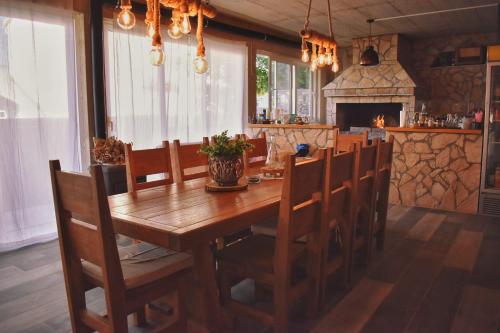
225,171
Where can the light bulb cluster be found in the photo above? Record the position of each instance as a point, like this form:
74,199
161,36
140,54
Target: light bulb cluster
320,57
179,26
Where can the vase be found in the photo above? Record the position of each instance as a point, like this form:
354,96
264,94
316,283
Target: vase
225,171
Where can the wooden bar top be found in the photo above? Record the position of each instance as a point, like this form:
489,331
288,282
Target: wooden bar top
292,126
434,130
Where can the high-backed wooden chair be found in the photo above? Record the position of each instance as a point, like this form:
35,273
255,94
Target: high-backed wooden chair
364,187
339,210
188,163
343,142
91,258
270,261
258,155
148,162
384,166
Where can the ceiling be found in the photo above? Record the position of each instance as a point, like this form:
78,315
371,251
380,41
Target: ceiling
349,16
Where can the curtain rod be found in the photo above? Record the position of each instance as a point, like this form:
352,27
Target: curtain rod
432,13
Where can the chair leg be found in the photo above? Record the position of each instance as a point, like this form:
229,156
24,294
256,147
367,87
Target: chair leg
280,310
224,285
140,317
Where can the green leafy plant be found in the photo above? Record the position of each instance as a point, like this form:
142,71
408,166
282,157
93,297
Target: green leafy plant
223,146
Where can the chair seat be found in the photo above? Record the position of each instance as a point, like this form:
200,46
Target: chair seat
256,253
142,263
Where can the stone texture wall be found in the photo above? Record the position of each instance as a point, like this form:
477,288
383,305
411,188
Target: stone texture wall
388,82
447,89
436,170
287,138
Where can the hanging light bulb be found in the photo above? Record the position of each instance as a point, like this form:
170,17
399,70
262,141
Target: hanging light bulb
335,66
329,57
126,19
186,24
321,57
200,65
174,30
314,65
157,56
305,56
150,29
305,52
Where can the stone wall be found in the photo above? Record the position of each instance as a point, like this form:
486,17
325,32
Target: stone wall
445,89
287,138
436,170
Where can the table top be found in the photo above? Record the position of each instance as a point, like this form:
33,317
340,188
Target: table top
179,215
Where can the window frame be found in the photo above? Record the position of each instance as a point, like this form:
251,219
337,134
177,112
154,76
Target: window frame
294,63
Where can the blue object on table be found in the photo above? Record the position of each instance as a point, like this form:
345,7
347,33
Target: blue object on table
302,150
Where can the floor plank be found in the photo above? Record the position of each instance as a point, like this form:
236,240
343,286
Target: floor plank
426,226
394,214
356,308
463,252
486,271
440,305
400,305
479,311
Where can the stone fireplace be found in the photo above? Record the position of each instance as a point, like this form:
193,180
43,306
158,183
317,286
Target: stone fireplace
361,93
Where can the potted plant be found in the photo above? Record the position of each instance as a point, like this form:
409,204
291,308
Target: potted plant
110,153
225,159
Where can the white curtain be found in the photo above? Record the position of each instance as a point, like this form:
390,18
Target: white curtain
39,118
147,104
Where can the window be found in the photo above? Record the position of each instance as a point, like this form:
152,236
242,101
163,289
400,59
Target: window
148,104
283,85
40,117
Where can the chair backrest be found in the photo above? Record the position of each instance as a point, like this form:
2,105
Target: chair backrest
146,162
258,155
384,167
188,162
300,208
85,233
338,191
367,158
343,142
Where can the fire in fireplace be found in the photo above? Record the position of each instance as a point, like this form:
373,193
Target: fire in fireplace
370,115
378,121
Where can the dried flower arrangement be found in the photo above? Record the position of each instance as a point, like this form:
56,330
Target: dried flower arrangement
110,150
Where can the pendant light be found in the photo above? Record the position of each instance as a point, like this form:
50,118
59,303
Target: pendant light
369,56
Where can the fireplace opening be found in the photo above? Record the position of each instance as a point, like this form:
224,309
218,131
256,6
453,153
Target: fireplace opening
363,115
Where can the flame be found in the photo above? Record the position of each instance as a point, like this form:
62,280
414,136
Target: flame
378,122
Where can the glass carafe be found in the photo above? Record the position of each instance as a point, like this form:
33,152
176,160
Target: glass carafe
273,160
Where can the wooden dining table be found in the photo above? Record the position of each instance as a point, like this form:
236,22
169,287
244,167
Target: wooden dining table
185,217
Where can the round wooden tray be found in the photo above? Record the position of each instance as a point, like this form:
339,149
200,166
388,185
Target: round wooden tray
214,187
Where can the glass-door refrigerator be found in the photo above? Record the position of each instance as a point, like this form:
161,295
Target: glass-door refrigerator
489,202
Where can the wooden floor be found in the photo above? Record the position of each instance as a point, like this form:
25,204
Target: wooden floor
440,272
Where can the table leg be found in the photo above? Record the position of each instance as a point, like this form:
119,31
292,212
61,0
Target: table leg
205,278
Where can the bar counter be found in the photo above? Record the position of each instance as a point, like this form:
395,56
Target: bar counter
436,168
287,136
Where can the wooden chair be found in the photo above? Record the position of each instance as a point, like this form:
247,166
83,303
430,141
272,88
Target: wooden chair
258,155
188,162
338,213
384,167
148,162
343,142
364,187
270,261
91,258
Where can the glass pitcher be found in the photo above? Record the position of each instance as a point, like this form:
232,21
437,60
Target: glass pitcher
273,160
